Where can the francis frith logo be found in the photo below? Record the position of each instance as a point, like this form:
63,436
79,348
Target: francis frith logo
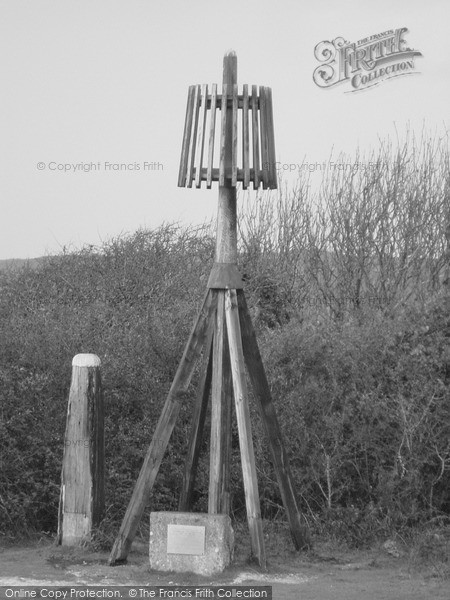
365,63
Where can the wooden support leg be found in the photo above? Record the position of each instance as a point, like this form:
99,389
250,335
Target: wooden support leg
222,394
260,385
198,424
244,427
227,400
217,393
163,431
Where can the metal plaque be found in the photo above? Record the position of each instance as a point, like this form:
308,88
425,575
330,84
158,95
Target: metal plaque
185,539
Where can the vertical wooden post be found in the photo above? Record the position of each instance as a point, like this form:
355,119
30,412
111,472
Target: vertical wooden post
231,371
225,260
226,240
82,480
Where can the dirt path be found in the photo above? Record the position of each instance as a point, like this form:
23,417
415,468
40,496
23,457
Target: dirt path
359,576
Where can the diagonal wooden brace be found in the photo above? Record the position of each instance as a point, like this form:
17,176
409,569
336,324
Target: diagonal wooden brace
163,431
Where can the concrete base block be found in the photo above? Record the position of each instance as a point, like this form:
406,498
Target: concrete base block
194,542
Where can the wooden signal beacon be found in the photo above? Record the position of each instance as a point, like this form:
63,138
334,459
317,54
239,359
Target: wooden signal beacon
223,332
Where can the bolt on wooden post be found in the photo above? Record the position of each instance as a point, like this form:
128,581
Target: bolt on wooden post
81,502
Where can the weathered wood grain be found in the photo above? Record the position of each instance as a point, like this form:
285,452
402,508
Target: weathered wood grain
82,496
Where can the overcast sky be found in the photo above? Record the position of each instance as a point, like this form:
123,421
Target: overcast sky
106,82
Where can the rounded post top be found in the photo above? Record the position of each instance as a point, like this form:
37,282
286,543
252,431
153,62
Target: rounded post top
230,68
85,360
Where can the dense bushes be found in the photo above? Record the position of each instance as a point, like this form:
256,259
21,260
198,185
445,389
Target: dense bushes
132,303
351,307
365,407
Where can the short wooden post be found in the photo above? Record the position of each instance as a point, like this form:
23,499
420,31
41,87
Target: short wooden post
82,497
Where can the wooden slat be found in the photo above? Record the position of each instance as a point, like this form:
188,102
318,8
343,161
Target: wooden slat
245,139
193,140
198,425
255,137
266,408
244,427
223,134
186,137
212,130
273,184
263,128
263,167
215,174
163,431
201,135
234,138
